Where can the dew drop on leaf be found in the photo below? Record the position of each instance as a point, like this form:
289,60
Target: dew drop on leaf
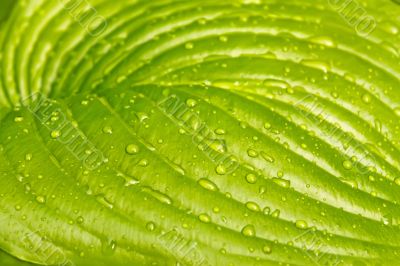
267,249
347,165
107,130
41,199
366,98
249,230
109,247
267,125
220,131
143,163
321,65
18,119
301,224
207,184
267,157
28,156
189,45
191,102
252,153
220,169
276,213
80,220
205,218
253,206
251,178
150,226
223,38
132,149
55,134
323,40
397,111
281,182
267,210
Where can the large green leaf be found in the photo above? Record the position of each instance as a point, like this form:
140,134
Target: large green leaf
199,132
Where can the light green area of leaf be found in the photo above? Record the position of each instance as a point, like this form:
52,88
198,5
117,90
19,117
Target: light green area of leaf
254,132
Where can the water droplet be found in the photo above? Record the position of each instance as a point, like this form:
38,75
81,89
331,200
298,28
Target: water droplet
389,26
220,131
220,169
191,102
150,226
182,131
249,230
301,224
189,45
109,247
378,125
205,218
218,145
335,94
352,183
276,213
267,249
347,165
17,207
397,111
202,21
251,178
323,40
316,64
223,38
18,119
207,184
281,182
132,149
253,206
28,156
252,153
158,195
366,98
143,163
107,130
103,200
80,220
55,134
267,157
41,199
390,48
120,79
142,116
397,181
276,83
267,125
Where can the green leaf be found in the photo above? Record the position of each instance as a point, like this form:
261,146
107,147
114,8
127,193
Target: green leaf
177,132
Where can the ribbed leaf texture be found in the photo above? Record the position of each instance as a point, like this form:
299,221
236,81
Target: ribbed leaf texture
199,132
